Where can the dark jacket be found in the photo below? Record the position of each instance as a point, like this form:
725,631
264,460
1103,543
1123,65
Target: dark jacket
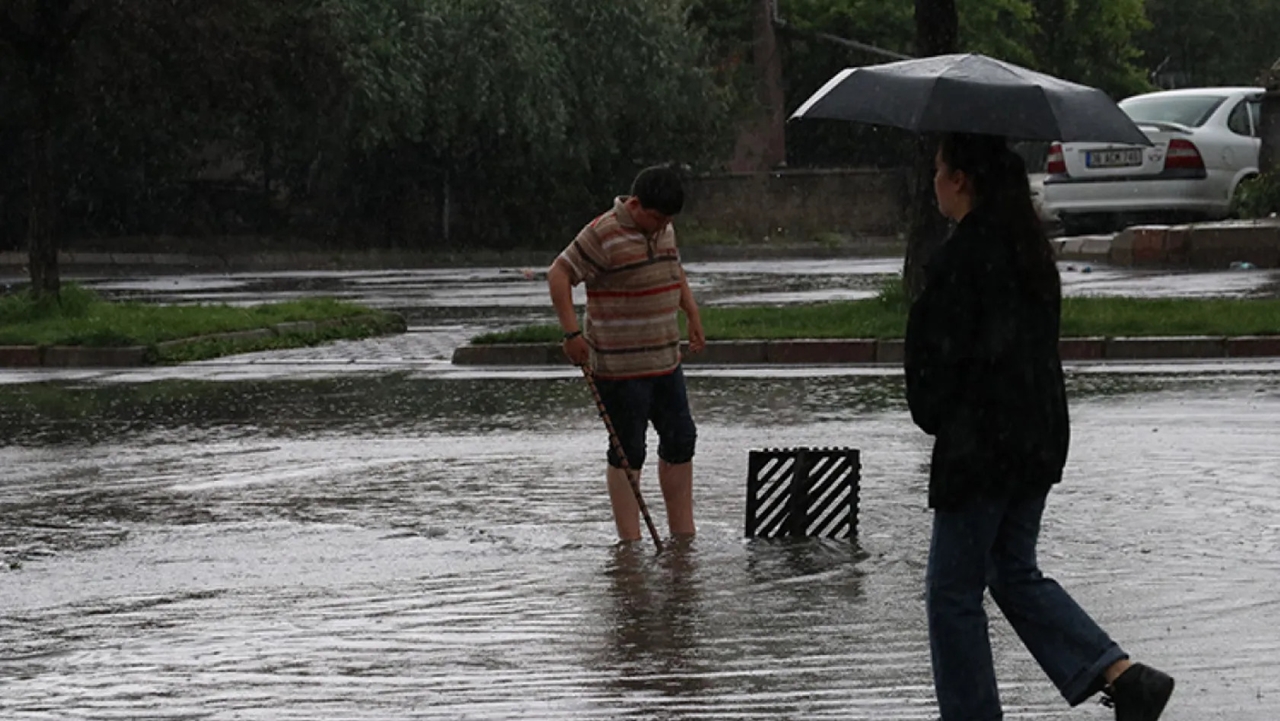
983,372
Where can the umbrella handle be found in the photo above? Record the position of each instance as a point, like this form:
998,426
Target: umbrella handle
622,457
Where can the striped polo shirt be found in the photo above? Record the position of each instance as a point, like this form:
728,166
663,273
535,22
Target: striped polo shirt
633,294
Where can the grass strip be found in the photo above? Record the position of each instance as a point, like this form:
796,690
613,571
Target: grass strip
882,317
80,318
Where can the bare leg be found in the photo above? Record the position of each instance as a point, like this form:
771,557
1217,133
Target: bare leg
626,513
676,480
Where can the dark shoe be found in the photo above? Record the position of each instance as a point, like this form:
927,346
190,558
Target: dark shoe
1140,693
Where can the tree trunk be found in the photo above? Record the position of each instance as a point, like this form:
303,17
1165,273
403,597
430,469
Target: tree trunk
43,49
41,237
1056,53
937,32
767,57
1269,129
761,142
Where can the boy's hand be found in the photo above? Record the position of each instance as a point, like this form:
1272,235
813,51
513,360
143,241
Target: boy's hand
577,350
697,338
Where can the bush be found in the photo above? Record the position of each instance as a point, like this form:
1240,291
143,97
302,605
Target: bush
1257,197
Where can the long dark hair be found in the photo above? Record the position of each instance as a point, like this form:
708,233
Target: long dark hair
1000,187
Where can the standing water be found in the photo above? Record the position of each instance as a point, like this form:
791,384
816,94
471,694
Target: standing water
431,544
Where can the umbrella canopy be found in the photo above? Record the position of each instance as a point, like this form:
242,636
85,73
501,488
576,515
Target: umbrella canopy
972,94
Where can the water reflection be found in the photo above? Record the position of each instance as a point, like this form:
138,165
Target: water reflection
800,562
656,616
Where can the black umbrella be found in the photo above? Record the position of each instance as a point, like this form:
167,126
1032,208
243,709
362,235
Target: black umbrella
972,94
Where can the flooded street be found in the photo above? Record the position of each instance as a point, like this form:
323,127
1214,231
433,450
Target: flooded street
378,546
362,531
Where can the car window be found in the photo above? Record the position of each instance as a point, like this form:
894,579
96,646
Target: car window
1238,121
1255,110
1189,110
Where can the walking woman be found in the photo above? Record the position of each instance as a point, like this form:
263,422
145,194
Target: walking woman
985,379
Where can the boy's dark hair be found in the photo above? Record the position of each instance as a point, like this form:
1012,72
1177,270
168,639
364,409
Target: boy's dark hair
659,188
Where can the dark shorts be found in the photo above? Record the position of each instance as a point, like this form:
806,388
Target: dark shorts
633,403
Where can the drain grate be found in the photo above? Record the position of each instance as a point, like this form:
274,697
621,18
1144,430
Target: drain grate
805,492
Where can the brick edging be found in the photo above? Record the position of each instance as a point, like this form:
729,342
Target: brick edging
131,356
869,350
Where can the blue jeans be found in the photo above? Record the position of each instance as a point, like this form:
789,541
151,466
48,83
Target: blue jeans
991,543
633,403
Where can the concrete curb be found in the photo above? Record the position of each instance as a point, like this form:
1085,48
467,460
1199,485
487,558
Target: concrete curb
1165,348
1095,248
1198,246
867,351
70,356
133,356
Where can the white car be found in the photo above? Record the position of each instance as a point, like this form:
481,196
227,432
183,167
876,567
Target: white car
1205,141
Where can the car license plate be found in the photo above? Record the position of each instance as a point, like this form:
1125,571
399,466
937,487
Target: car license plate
1127,158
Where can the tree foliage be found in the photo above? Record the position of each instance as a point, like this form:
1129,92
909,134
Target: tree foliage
1195,43
445,123
1092,42
501,121
1088,41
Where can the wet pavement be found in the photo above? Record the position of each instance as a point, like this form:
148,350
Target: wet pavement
361,531
454,290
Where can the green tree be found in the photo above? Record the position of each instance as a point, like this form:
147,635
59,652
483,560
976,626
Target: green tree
1091,42
812,54
127,101
37,37
172,92
439,94
548,115
1003,29
346,117
1194,43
